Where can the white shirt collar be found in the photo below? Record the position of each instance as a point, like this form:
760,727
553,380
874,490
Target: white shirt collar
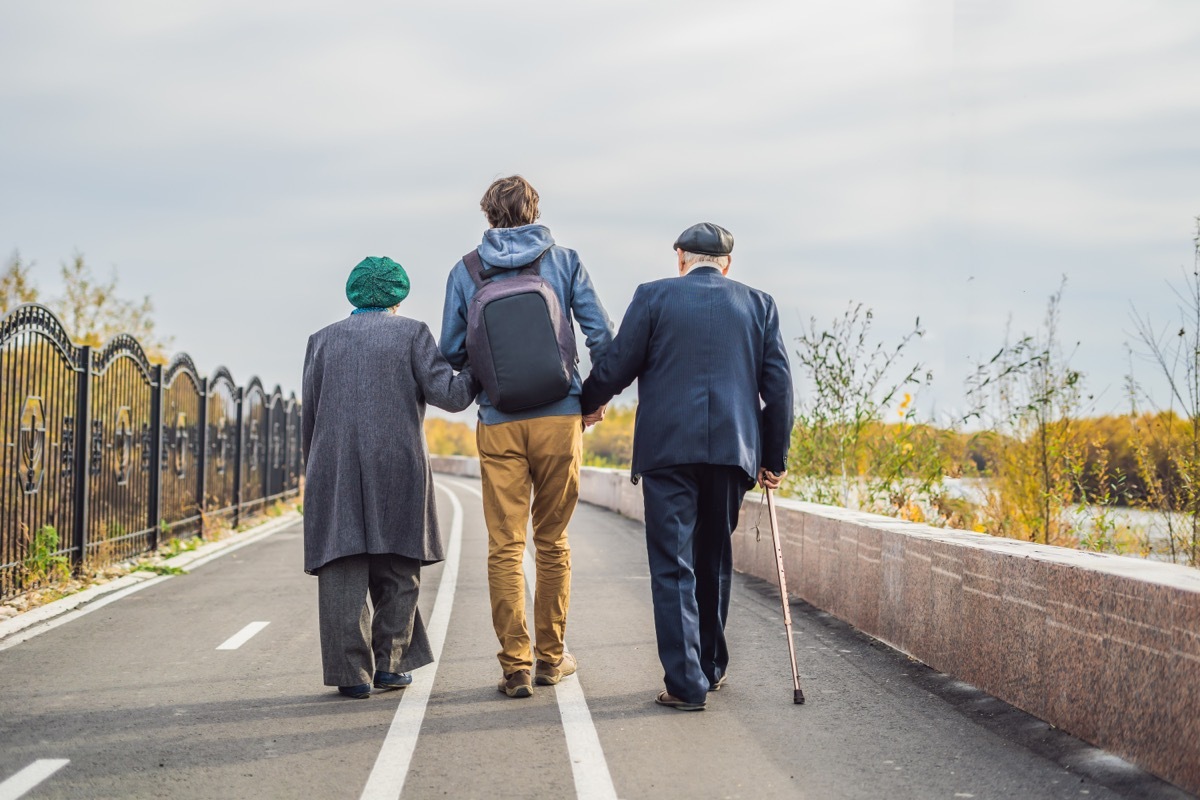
699,264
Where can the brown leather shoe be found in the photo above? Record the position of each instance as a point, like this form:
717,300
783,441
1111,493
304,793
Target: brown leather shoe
516,684
669,700
548,674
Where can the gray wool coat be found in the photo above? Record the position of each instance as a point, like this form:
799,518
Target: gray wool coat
367,485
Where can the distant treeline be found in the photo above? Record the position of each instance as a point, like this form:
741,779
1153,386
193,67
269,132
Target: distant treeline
1122,461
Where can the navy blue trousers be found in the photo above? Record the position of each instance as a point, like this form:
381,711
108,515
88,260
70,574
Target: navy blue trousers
691,510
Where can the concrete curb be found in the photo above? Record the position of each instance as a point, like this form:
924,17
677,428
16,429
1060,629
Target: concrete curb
186,561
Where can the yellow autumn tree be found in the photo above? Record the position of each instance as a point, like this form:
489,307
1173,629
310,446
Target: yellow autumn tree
90,308
610,443
449,438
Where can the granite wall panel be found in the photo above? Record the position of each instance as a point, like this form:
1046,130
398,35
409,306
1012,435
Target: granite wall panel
866,586
892,597
1184,687
980,651
1022,634
810,571
943,641
1076,634
829,570
917,614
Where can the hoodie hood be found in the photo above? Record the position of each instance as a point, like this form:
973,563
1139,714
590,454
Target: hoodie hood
512,248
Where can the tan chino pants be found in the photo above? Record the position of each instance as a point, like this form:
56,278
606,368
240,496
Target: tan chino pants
541,456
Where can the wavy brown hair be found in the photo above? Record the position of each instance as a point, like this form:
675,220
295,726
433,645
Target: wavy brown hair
510,202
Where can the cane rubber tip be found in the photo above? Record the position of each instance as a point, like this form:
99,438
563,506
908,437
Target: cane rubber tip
798,697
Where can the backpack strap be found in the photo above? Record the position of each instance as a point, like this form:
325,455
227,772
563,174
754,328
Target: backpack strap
475,268
535,267
481,275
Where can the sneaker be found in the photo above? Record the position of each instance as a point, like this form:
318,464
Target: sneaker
516,684
360,691
392,680
549,674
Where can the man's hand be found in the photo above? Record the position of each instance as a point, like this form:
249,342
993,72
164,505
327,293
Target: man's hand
769,480
591,419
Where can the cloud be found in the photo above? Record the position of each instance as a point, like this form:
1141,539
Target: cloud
235,160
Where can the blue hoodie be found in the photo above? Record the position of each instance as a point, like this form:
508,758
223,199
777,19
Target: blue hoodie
513,248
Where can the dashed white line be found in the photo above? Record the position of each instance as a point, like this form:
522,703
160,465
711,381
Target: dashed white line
31,776
242,636
589,768
391,765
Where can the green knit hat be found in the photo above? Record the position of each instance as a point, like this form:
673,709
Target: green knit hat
377,282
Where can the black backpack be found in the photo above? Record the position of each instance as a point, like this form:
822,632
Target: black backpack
520,344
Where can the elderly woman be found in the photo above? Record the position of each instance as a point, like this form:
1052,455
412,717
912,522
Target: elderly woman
369,516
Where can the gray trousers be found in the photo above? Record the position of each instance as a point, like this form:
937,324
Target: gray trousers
386,634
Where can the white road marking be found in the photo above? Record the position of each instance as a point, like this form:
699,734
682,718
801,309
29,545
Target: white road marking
242,636
592,778
588,765
391,765
31,776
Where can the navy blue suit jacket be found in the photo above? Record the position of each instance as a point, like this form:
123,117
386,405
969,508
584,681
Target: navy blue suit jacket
714,384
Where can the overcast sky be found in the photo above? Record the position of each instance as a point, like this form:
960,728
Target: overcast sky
951,160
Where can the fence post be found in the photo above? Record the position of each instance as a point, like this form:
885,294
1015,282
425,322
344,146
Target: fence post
156,444
237,462
83,458
202,456
298,432
267,468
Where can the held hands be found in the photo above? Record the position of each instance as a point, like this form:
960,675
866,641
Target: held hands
769,480
591,419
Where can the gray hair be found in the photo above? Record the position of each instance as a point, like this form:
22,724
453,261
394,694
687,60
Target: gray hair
690,259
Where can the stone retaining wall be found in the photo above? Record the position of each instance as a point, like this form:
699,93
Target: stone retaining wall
1104,647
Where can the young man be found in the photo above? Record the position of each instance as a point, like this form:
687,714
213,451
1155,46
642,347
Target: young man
714,416
538,449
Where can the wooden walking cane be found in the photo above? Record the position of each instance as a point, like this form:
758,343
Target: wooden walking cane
798,694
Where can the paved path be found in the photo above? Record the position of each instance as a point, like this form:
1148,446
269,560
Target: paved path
208,686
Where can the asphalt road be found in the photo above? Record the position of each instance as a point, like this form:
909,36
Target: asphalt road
140,701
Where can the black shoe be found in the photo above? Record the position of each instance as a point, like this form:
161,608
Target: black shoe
359,692
392,680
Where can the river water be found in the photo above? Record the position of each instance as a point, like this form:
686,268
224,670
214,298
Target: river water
1140,524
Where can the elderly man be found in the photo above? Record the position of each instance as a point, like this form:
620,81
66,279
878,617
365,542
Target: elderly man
714,415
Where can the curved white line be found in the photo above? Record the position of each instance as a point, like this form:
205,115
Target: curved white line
391,765
589,768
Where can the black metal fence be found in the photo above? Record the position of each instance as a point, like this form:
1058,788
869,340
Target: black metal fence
116,454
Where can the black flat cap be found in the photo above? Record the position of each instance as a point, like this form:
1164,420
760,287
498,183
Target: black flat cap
705,239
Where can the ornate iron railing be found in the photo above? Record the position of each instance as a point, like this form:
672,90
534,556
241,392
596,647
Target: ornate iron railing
117,454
